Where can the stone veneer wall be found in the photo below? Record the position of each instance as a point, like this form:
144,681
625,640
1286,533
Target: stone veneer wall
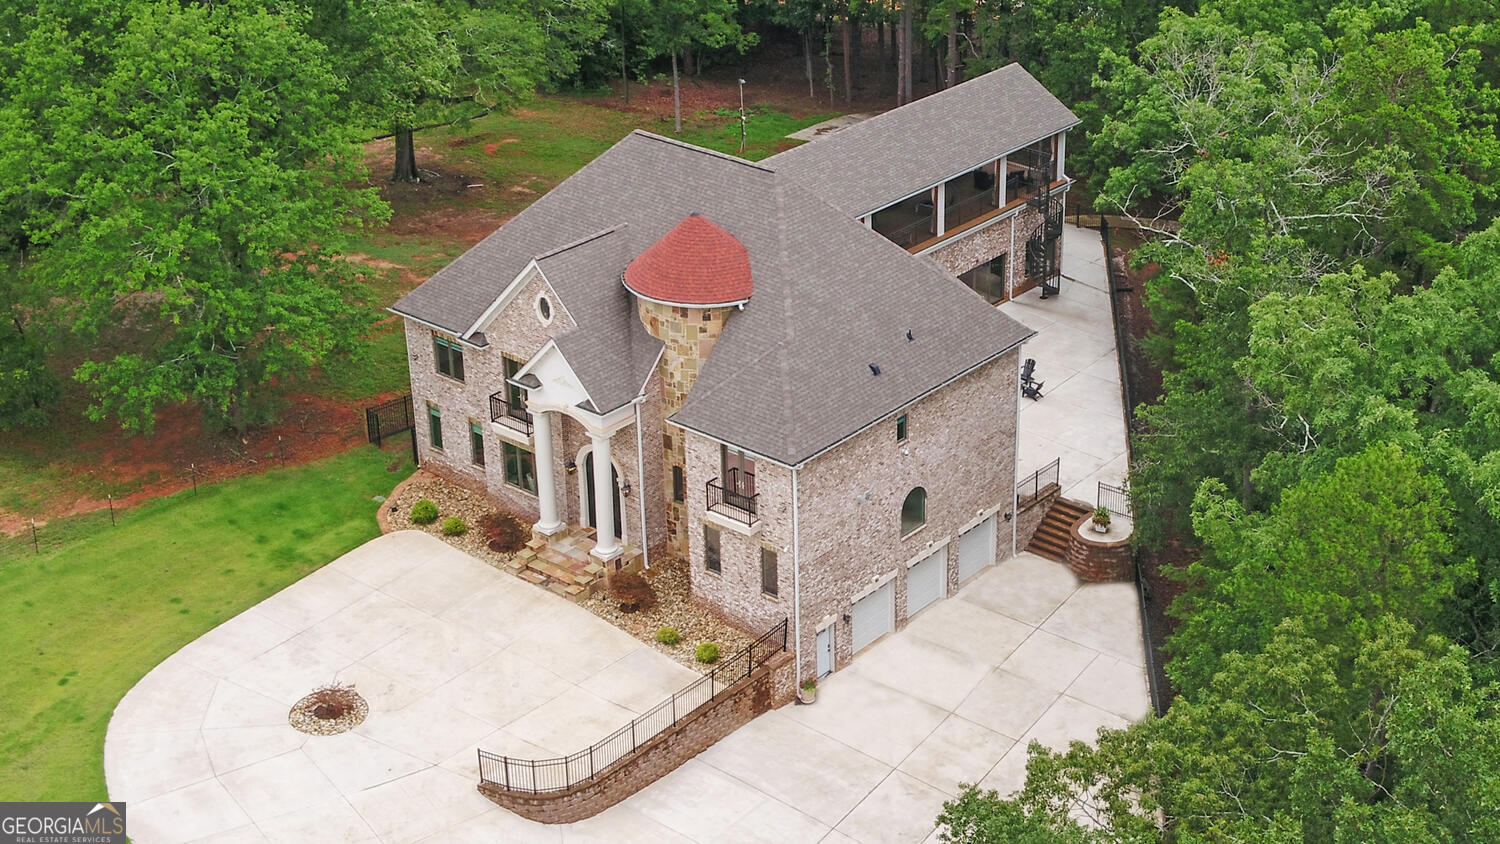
518,331
772,687
734,592
960,448
969,250
1031,511
689,335
462,402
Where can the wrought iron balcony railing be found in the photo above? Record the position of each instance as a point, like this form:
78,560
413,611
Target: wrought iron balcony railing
513,415
735,498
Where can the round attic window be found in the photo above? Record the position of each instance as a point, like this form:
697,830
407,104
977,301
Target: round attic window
544,309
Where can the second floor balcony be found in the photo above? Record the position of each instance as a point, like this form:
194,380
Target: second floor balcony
734,496
964,202
510,410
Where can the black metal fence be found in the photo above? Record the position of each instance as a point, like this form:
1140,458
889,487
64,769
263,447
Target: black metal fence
536,776
1155,677
1114,498
389,419
1032,485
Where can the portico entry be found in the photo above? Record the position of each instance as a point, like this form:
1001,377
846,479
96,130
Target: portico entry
591,498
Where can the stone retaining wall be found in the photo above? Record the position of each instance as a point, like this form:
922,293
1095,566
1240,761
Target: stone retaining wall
1099,560
774,685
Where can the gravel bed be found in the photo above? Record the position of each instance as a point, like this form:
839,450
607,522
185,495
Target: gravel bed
668,576
451,500
674,608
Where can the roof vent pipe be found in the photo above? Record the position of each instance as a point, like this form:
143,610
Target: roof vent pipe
909,338
874,369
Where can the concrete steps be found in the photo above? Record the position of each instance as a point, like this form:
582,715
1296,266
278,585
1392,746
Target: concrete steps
1051,539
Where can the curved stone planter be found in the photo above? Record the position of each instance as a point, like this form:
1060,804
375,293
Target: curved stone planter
1098,557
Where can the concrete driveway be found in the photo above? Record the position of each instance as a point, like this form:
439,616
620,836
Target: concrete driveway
452,654
1023,652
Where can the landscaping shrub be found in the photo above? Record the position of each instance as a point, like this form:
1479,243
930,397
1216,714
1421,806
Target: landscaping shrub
333,701
506,533
424,512
632,591
708,652
454,526
668,635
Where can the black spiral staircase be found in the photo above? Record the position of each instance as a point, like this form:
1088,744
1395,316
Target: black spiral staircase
1043,245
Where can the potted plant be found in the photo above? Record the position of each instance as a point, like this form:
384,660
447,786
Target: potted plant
1101,519
809,691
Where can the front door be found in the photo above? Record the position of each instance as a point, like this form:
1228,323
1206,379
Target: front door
825,651
588,475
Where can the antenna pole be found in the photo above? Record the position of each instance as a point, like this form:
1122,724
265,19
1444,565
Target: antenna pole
742,117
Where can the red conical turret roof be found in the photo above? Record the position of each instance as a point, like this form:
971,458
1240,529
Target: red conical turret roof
696,264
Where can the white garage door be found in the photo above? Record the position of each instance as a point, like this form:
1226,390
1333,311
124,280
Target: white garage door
976,549
874,616
926,581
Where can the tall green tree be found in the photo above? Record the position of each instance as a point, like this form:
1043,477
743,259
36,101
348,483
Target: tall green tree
1366,540
572,31
1360,358
181,180
675,25
410,64
28,387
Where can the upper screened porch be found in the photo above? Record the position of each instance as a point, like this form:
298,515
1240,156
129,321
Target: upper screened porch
997,187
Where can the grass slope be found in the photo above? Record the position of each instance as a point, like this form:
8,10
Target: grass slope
82,623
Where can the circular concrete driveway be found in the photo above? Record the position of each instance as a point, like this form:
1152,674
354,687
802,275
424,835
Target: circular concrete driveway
453,654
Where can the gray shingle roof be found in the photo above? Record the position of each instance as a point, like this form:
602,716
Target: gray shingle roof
790,375
609,349
889,157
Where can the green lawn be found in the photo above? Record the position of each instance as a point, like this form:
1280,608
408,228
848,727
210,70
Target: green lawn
765,130
552,137
86,619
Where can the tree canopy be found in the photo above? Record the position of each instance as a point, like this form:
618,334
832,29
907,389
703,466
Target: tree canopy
1318,183
176,180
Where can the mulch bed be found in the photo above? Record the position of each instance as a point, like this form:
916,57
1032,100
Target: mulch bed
304,719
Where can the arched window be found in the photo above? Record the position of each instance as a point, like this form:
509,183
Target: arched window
913,511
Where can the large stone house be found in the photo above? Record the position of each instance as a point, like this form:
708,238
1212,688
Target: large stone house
778,371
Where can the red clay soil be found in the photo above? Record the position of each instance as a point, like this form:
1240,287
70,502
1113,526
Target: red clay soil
445,205
776,74
167,461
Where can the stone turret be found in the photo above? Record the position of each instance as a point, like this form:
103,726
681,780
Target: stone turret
686,285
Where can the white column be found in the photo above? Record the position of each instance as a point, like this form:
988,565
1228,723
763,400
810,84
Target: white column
1002,173
1062,150
939,207
546,484
606,546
